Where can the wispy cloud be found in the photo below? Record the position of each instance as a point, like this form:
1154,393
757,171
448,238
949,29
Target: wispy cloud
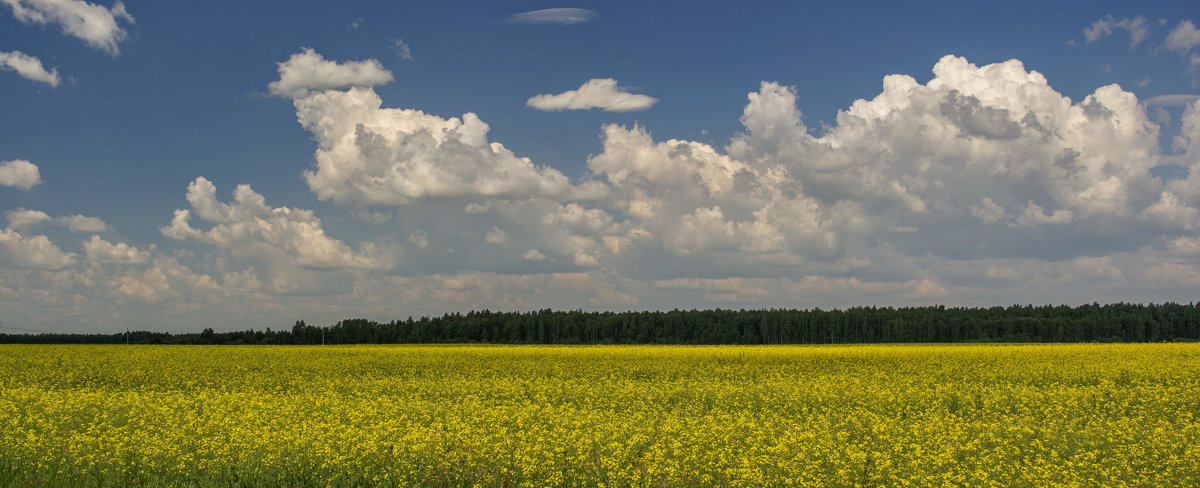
561,16
1172,100
95,25
402,49
29,67
1138,27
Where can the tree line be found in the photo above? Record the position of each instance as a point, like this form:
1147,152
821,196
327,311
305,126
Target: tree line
1119,322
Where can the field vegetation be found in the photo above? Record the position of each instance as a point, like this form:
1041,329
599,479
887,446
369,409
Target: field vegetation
1108,415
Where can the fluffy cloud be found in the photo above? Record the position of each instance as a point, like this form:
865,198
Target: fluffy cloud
19,174
600,93
29,67
21,218
163,279
248,226
36,252
899,176
496,236
1187,191
561,16
981,162
983,185
916,154
95,25
307,71
695,199
1183,37
101,251
1138,27
82,224
368,155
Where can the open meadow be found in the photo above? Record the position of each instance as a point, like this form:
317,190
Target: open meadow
903,415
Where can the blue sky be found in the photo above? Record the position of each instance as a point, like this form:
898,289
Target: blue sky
685,154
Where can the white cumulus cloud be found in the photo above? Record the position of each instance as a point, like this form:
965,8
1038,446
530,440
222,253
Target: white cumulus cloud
19,174
1183,37
31,252
22,218
248,225
980,161
602,93
28,67
370,155
96,25
308,71
101,251
82,224
982,185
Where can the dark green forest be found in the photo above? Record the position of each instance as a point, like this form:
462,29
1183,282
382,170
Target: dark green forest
1018,323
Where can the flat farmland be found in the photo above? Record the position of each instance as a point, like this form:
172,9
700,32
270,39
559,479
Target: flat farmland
1107,415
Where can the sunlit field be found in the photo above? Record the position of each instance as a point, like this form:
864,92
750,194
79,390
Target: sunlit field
994,415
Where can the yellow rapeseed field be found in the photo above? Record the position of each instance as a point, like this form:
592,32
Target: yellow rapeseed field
919,416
